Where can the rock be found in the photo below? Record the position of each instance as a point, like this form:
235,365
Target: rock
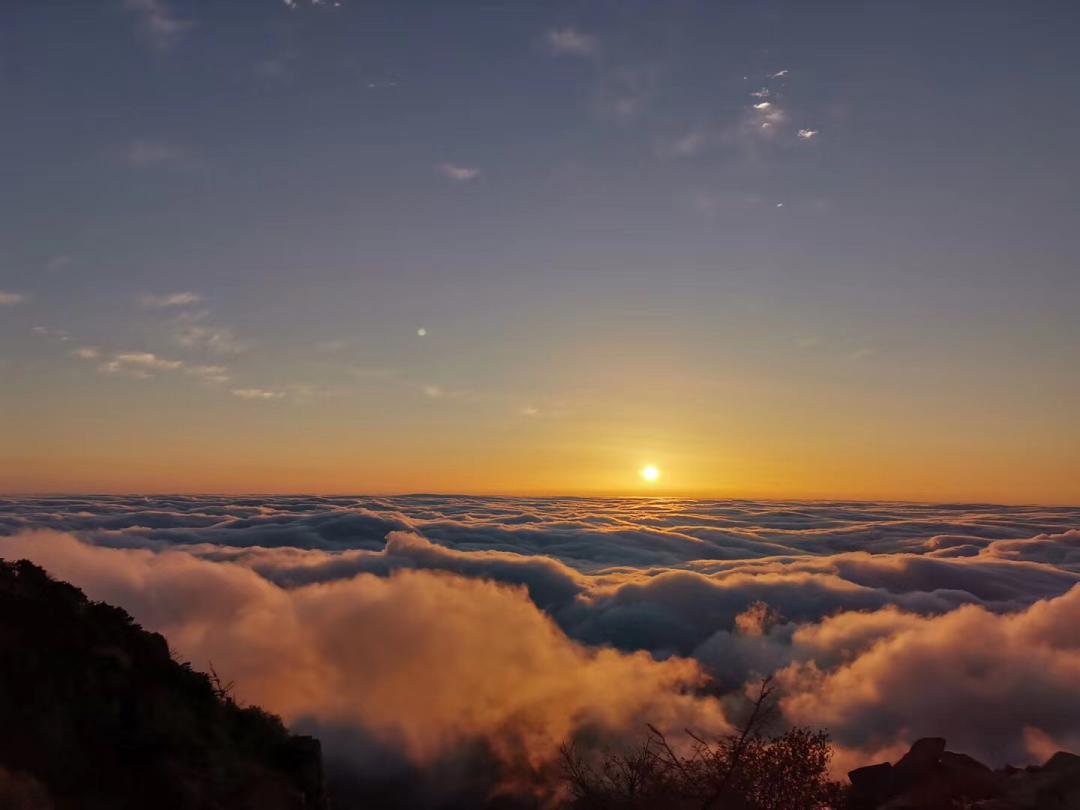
965,778
872,784
929,777
1062,762
917,762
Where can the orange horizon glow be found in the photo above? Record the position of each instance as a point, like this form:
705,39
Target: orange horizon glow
153,436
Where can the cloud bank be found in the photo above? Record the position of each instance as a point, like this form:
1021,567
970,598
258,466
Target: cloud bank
431,635
418,666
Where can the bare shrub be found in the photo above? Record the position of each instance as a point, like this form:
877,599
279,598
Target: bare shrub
743,771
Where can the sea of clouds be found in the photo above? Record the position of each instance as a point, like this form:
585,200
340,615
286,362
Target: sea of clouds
438,641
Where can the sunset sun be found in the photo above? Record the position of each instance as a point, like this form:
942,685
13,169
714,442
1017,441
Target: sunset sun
650,472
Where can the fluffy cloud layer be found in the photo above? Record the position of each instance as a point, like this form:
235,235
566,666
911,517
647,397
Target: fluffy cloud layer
997,685
419,664
410,631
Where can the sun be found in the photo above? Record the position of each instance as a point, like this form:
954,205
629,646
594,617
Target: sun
650,472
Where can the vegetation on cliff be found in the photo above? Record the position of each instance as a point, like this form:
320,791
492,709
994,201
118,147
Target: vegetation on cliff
96,713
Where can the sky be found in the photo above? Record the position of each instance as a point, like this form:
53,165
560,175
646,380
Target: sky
775,249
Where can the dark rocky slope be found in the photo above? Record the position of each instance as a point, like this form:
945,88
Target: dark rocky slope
930,778
95,713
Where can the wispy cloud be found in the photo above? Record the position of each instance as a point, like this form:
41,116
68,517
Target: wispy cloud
779,74
623,93
256,393
157,23
691,144
142,365
139,364
44,331
293,5
10,299
807,134
176,299
459,174
765,116
770,117
211,338
569,40
213,374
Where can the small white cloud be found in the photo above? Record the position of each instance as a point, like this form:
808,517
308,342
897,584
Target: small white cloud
157,22
139,364
807,134
86,353
779,74
421,332
529,410
10,299
459,174
571,41
176,299
764,92
256,393
765,117
779,205
433,391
